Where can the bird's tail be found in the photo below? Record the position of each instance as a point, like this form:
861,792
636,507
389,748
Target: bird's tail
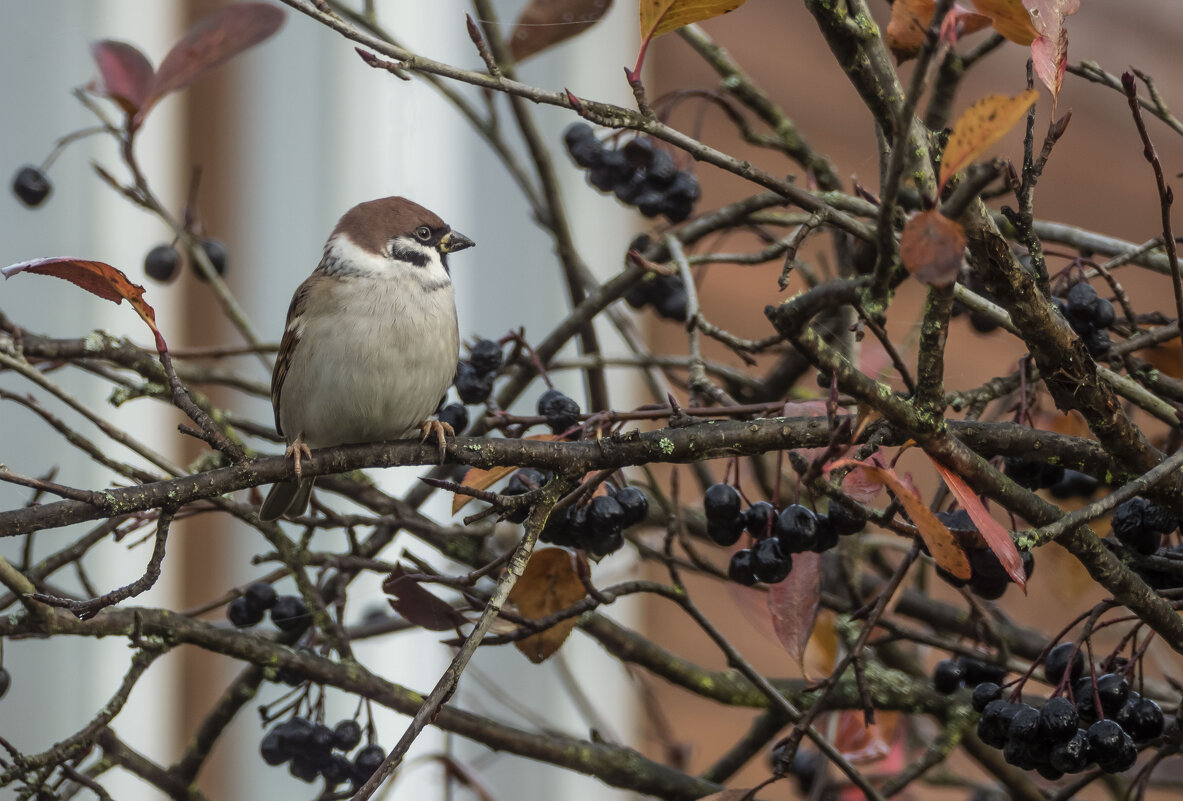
286,498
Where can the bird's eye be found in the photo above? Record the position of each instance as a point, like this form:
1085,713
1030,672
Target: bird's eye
423,233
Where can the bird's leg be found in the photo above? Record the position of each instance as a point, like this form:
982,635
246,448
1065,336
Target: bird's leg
296,451
441,432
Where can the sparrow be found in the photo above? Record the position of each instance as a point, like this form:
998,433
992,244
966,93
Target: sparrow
371,341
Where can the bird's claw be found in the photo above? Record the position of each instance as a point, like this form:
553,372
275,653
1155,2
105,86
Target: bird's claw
295,452
440,430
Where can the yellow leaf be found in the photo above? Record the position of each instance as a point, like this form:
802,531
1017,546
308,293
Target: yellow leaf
1011,19
663,16
983,124
550,584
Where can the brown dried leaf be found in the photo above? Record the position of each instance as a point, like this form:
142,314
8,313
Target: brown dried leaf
211,41
1010,18
417,605
663,16
983,124
544,23
931,247
481,479
911,18
550,584
940,541
997,538
125,74
95,277
794,604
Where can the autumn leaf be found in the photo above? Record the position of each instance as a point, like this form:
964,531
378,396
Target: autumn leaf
860,743
910,20
212,41
97,278
550,584
983,124
478,478
1049,52
1010,18
931,247
125,74
997,538
663,16
419,606
936,535
544,23
794,603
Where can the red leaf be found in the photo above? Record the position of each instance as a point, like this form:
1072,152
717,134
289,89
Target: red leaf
97,278
997,538
793,604
125,74
931,247
1049,52
418,605
544,23
936,535
214,39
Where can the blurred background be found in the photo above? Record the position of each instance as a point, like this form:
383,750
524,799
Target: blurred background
294,132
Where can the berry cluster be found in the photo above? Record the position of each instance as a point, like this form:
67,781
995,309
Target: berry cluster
776,535
665,293
988,578
313,749
163,261
31,186
1089,317
639,174
560,411
474,375
1065,737
596,527
1140,525
288,612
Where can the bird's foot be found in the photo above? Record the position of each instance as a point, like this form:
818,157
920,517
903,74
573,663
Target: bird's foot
296,451
441,432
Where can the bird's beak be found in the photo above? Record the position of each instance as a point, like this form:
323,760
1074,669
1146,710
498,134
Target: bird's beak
453,241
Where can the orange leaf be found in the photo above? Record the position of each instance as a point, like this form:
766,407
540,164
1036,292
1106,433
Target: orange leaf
663,16
936,535
931,248
1010,18
996,536
910,20
481,479
97,278
983,124
544,23
550,584
794,603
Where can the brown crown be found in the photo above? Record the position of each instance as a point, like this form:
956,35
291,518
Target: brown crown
372,224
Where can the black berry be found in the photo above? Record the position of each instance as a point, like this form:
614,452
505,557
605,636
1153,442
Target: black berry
290,614
758,519
161,263
634,504
485,356
1024,725
272,750
560,411
739,569
1145,720
472,386
984,693
725,532
1074,484
215,251
242,614
1057,663
1059,719
947,676
5,681
31,186
337,770
1072,755
721,502
1140,525
770,564
346,735
796,528
366,762
455,415
260,596
846,520
1113,690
